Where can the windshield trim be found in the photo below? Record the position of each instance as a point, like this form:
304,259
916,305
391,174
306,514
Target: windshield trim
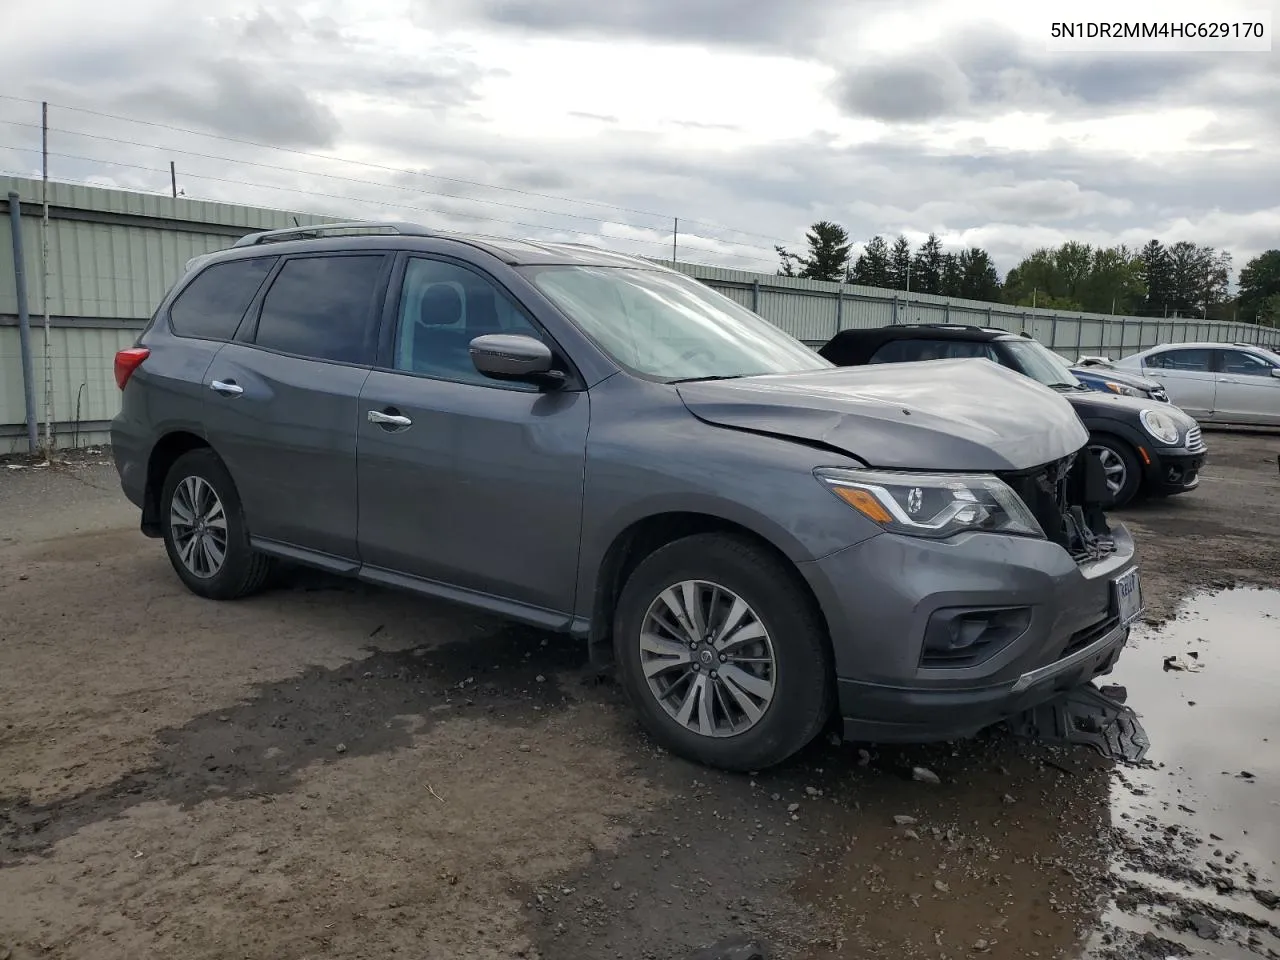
530,272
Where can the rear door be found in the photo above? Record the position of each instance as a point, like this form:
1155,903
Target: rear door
1247,391
1188,377
464,480
283,399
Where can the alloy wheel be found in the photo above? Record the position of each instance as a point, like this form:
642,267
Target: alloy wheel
707,658
1113,466
198,525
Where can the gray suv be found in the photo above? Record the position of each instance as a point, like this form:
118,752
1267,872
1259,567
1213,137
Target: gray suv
595,444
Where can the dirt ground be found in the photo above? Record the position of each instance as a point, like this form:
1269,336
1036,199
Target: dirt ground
328,770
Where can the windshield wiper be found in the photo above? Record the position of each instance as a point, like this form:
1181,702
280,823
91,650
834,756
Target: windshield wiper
729,376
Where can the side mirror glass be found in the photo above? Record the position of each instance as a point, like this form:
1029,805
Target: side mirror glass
508,356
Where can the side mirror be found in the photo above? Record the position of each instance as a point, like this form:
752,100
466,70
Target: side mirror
508,356
1275,371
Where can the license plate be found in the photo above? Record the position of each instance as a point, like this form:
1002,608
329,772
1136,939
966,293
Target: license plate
1128,593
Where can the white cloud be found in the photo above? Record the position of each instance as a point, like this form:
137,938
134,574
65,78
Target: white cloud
911,116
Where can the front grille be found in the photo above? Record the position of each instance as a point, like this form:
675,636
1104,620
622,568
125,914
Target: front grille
1195,441
1065,497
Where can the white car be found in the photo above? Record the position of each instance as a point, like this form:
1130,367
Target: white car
1215,382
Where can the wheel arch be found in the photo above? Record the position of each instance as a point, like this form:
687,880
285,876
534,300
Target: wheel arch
640,539
163,455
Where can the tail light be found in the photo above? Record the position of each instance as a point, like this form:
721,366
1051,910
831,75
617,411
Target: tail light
128,361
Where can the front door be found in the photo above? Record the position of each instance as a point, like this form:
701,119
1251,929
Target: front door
468,482
1247,390
1187,376
283,400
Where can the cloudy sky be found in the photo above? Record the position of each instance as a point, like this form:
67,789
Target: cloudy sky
601,120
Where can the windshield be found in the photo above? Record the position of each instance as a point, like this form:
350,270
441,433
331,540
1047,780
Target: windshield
670,327
1038,362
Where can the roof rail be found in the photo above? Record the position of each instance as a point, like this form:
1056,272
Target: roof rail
944,326
316,231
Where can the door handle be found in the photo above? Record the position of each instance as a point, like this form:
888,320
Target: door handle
1228,380
389,419
228,388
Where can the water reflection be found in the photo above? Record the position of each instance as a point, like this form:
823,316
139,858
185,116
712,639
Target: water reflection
1199,830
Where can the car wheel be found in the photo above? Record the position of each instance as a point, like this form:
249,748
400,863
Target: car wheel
1120,466
204,530
723,653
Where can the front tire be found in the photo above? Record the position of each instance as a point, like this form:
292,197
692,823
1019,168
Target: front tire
205,535
1121,467
723,654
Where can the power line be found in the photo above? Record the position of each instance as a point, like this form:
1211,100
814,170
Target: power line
391,169
662,244
332,176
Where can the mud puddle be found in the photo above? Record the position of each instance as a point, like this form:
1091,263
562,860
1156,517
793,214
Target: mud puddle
1002,848
1198,828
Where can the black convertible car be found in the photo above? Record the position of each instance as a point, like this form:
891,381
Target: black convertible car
1145,447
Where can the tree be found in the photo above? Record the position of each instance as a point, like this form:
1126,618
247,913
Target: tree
1157,277
926,271
1260,288
1268,311
828,257
1198,277
977,275
949,281
1077,276
900,264
872,266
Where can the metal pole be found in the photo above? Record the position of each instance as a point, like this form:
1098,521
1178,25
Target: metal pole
173,178
44,245
839,308
675,235
24,322
755,296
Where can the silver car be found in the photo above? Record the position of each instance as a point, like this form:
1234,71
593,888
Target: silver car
1215,382
585,442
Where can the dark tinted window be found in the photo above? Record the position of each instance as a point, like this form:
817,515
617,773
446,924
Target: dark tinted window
1194,360
1238,363
443,307
213,303
322,307
907,351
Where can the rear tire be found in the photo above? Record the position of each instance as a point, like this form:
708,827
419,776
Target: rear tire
205,535
1120,463
758,693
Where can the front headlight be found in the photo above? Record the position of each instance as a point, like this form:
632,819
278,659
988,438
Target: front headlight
933,505
1123,389
1160,425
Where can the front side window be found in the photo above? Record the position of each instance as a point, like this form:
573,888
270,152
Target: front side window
212,305
1193,360
322,307
1238,363
669,327
443,307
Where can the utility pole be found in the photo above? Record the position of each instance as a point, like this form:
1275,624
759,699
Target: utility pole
675,236
173,178
44,245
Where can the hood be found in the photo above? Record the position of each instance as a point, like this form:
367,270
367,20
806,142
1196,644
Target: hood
1098,404
940,415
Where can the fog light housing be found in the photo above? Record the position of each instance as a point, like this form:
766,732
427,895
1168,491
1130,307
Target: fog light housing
964,636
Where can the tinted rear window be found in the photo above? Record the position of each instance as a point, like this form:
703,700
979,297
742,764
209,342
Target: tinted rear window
321,307
907,351
211,306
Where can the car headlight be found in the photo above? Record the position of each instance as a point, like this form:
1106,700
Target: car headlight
933,505
1160,425
1123,389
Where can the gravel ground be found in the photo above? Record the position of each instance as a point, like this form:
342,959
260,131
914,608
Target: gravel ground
330,770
